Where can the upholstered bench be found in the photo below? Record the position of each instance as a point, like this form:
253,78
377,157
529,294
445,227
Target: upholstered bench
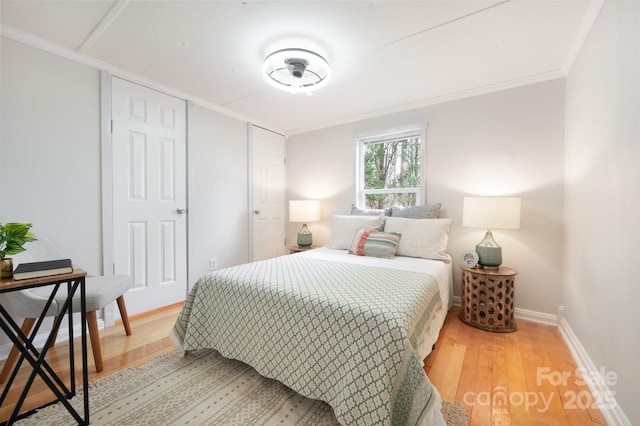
29,304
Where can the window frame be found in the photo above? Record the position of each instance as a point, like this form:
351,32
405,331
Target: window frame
418,130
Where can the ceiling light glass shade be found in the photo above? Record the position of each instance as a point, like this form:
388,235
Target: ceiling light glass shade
296,70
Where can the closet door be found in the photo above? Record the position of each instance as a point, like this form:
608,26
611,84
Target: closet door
149,194
267,193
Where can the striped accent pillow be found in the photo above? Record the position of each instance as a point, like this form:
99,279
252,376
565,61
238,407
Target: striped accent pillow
368,242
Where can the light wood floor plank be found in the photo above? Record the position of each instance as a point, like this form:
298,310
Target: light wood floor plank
500,382
149,340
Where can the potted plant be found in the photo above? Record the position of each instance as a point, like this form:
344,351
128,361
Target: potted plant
13,236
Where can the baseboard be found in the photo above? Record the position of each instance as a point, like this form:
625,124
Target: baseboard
535,316
612,412
525,314
608,405
41,338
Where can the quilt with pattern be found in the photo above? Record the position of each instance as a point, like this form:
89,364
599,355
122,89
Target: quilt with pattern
339,332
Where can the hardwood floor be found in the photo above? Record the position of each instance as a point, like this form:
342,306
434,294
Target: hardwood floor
496,376
510,378
148,340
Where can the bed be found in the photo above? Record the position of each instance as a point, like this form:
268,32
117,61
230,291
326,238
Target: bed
349,330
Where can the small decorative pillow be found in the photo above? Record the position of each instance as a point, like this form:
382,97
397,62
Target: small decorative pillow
368,242
343,227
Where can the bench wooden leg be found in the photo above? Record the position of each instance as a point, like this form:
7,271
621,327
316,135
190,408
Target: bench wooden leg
123,314
15,353
94,336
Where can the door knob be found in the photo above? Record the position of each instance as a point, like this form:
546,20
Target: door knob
181,211
256,211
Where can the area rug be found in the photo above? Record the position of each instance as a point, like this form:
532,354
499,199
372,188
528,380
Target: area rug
202,388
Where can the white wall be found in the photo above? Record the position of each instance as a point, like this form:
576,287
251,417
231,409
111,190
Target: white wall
218,191
601,286
50,150
50,163
505,143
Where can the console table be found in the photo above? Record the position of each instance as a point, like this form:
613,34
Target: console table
35,357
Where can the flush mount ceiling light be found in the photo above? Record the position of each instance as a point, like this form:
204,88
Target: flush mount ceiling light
296,70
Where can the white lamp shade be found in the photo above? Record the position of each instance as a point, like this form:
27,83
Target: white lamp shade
304,211
491,212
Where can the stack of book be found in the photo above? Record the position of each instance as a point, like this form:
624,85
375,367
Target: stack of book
25,271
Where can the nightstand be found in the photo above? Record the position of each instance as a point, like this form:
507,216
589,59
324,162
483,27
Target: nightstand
298,249
488,298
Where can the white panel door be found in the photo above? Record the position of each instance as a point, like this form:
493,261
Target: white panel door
149,194
268,197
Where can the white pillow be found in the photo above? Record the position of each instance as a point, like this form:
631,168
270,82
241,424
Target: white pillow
426,238
344,227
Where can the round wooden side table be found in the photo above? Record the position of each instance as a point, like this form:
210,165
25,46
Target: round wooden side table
488,298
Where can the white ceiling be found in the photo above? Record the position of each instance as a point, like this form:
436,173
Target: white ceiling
385,56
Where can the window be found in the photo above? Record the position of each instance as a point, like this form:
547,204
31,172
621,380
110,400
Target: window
390,169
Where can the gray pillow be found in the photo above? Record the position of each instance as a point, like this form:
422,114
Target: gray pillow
430,211
370,212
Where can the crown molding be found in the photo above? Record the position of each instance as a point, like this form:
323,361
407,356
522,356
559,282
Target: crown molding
58,50
72,55
587,24
482,90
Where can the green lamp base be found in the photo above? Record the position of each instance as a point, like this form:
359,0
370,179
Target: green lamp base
489,252
305,238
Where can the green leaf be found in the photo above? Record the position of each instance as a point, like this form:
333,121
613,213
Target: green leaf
13,237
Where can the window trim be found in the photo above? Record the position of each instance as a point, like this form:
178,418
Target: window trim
379,137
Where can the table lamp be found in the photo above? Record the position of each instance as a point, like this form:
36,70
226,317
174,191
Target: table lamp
304,211
490,213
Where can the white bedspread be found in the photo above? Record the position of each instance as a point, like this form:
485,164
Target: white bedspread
439,269
344,333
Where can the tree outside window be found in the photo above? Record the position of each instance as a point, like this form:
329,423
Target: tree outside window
390,172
